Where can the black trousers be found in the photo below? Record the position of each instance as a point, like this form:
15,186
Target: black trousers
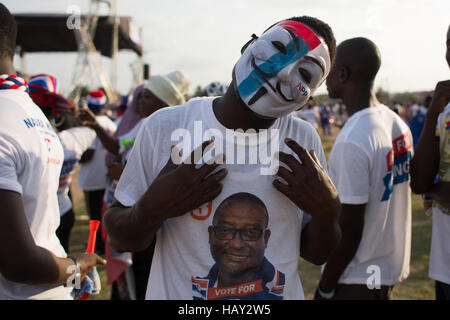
142,261
362,292
64,229
442,291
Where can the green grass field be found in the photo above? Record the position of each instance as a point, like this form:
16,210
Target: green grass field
416,287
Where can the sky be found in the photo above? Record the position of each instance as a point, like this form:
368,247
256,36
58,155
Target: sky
203,38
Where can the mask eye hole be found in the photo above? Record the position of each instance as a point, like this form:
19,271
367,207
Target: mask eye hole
305,75
280,47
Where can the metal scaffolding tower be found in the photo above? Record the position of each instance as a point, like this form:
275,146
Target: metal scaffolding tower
89,57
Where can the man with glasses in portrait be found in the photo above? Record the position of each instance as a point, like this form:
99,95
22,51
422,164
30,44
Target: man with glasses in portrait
238,238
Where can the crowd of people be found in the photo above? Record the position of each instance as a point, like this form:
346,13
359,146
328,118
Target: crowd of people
176,181
325,116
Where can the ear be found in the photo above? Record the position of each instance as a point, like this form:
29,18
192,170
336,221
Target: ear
344,74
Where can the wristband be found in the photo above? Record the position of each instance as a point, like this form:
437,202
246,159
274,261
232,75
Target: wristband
326,295
75,261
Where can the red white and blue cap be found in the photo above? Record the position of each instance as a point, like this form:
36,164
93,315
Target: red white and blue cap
44,90
44,82
96,99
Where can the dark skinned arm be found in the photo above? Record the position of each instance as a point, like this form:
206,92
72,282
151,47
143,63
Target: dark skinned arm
311,189
318,240
352,224
425,163
112,144
179,188
440,192
87,155
21,260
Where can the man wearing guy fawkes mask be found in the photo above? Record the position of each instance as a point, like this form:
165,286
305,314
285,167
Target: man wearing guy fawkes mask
157,195
279,71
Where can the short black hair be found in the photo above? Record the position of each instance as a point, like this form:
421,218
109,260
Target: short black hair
243,196
8,33
320,27
363,58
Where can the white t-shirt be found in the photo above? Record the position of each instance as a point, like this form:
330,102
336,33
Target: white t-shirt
93,173
369,164
440,241
182,252
31,157
75,141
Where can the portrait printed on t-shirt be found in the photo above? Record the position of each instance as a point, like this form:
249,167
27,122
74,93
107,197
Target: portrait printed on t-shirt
238,237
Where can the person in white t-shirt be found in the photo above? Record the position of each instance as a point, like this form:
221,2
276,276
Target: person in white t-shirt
158,195
310,114
44,90
369,166
33,264
432,158
158,92
92,178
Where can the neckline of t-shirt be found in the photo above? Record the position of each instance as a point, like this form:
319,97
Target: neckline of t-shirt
365,110
254,139
16,92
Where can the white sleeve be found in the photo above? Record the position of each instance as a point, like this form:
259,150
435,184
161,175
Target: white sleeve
139,169
349,171
77,139
11,163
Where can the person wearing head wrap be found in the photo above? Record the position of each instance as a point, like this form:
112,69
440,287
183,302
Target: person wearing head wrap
158,92
44,90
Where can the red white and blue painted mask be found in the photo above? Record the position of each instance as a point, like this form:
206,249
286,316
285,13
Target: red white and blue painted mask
279,71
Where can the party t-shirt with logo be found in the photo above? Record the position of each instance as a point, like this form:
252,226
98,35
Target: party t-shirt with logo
75,141
369,164
268,284
93,174
31,157
182,250
440,248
